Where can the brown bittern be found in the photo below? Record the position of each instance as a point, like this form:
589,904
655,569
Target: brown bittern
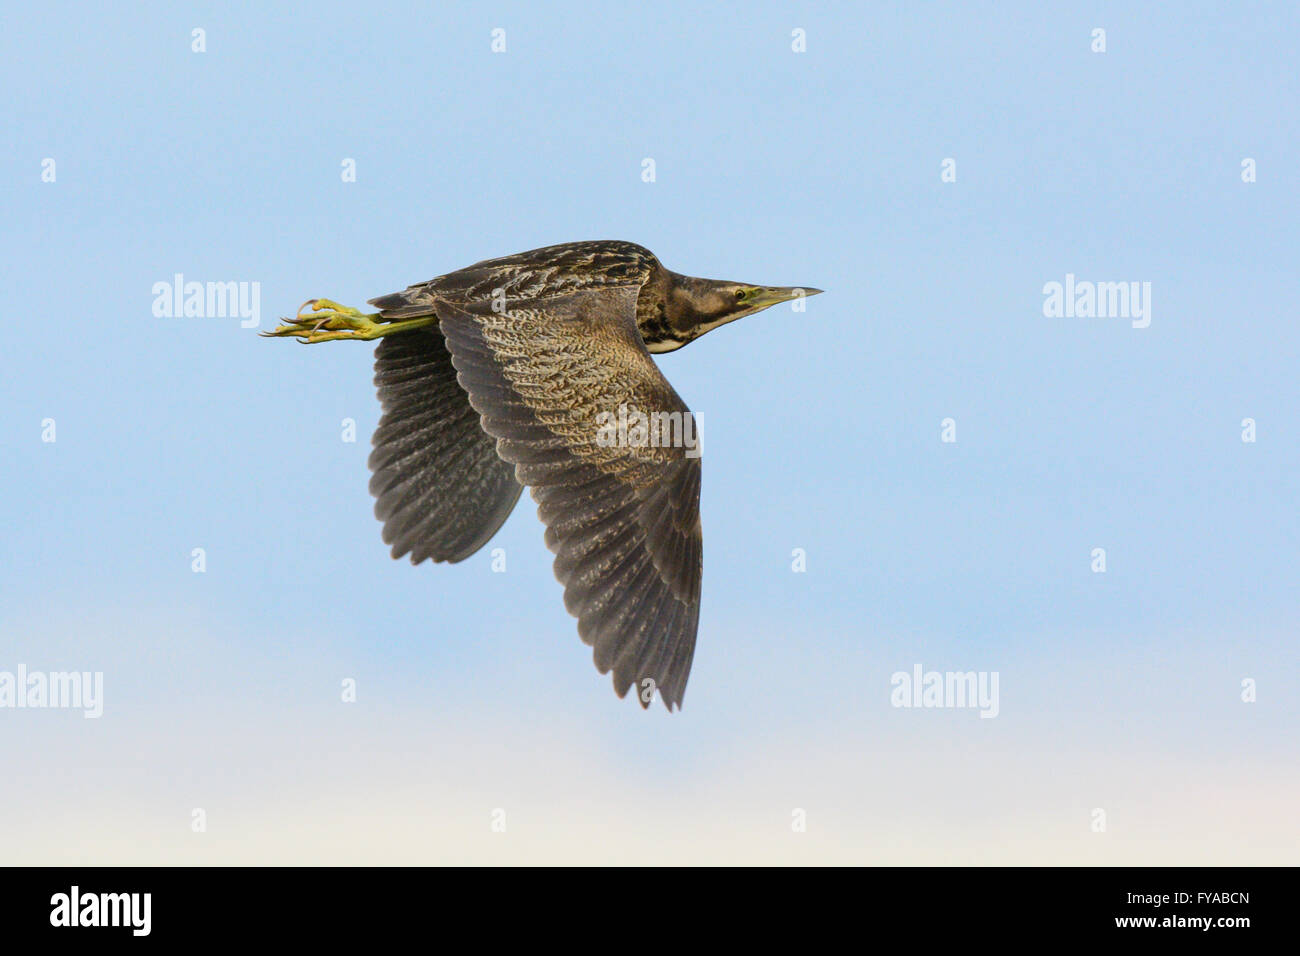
535,370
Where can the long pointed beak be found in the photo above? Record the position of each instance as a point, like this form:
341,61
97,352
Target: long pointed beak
774,296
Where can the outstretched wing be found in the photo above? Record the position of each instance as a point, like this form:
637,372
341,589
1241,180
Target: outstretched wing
440,488
551,378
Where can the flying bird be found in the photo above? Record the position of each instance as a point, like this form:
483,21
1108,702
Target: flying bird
524,371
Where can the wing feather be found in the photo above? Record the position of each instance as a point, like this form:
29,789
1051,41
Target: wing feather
622,519
440,487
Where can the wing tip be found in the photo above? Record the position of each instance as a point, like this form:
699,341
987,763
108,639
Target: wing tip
672,697
390,301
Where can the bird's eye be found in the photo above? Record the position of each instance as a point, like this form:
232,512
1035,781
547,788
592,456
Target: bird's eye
740,294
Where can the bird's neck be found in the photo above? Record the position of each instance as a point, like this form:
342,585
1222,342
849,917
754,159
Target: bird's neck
654,313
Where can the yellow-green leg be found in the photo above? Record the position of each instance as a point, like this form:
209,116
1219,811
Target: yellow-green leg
327,321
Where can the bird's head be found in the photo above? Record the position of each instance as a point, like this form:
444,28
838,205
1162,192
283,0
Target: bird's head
696,306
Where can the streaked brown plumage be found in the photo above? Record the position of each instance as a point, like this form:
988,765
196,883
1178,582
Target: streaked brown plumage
507,388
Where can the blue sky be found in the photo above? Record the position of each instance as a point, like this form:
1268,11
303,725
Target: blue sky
821,430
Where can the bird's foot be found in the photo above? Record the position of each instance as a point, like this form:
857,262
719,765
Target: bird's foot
326,321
